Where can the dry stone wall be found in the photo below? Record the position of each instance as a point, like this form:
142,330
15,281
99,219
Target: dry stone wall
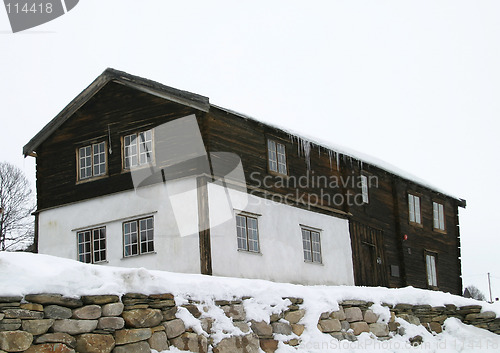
135,323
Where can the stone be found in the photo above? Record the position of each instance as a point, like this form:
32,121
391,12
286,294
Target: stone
139,347
191,342
157,328
9,305
339,314
99,299
337,335
132,335
10,299
56,299
142,317
74,327
416,341
15,341
37,327
160,304
10,324
293,342
22,314
2,315
94,343
57,338
353,303
440,318
294,317
282,328
207,322
403,307
435,327
193,309
324,316
88,312
469,309
112,309
379,329
345,325
174,328
235,312
269,345
158,341
276,317
50,348
238,344
298,329
163,296
486,315
359,327
57,312
243,326
169,314
110,323
353,314
329,325
350,336
412,319
370,317
262,329
32,306
135,296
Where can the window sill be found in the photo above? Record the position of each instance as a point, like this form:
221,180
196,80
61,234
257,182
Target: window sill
441,231
314,263
415,224
258,253
136,255
101,262
88,180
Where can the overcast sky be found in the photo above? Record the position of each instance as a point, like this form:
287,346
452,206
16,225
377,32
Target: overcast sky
415,83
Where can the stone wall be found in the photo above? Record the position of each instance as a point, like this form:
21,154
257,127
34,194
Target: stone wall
137,323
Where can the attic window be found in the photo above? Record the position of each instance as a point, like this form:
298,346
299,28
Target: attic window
138,149
414,209
438,215
276,156
364,188
92,161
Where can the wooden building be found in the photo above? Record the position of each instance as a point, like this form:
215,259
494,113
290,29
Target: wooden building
135,173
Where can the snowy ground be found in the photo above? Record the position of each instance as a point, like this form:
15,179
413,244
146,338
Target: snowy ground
24,273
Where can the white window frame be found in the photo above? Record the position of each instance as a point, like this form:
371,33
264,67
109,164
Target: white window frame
94,161
246,225
311,244
438,216
364,188
138,236
276,156
91,245
138,149
431,270
414,212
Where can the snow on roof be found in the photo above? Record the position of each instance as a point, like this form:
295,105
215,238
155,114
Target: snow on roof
304,142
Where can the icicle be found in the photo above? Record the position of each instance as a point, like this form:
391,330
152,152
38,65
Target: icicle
330,152
338,160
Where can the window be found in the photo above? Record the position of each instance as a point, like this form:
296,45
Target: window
247,233
438,212
138,237
276,156
430,261
364,188
312,245
138,149
92,161
414,209
92,245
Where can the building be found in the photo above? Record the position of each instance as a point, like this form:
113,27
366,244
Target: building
134,173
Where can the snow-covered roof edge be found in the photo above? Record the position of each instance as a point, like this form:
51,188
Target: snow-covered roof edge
360,156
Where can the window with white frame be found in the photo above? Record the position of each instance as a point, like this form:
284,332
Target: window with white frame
247,233
92,161
364,188
438,212
138,237
311,243
92,245
138,149
276,156
414,209
430,261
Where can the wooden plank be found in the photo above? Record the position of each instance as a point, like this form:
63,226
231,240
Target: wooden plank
204,227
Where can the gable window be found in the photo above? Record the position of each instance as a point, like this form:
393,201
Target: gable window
92,245
138,149
312,245
138,237
430,262
364,188
276,156
92,161
438,213
414,209
247,233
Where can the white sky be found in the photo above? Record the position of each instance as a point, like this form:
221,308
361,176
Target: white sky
415,83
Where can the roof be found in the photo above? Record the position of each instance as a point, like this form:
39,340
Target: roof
202,103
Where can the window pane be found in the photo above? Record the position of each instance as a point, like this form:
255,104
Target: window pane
84,246
130,238
316,246
241,232
271,153
306,243
417,209
145,146
85,162
99,159
411,208
130,151
441,217
364,188
281,158
253,235
435,213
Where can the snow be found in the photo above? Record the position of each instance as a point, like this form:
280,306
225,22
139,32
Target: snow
25,273
305,143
